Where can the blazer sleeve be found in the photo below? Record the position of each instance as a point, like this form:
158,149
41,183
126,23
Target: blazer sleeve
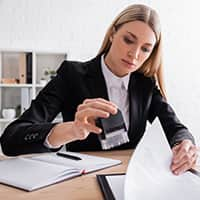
27,134
174,130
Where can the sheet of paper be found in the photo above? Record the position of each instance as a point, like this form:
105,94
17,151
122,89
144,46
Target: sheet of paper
116,184
149,176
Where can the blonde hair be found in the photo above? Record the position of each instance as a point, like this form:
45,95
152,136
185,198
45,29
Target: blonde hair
152,67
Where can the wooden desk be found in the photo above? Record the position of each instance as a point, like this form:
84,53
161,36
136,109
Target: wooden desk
80,188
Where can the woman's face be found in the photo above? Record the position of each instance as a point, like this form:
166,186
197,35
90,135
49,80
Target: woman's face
131,45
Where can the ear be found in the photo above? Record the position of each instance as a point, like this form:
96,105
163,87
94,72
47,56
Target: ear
112,34
111,38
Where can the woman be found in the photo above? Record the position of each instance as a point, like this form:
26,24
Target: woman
129,62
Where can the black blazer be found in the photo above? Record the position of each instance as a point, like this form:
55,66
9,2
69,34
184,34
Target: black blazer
76,81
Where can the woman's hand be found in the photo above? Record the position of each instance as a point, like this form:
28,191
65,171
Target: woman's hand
84,122
184,157
86,114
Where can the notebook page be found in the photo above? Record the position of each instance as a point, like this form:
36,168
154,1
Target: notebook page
87,162
29,174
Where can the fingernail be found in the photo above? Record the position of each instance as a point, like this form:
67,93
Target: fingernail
99,130
115,111
176,172
107,114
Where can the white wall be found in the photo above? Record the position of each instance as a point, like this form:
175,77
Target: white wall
78,27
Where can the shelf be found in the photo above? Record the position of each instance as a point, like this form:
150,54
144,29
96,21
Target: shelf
28,66
3,120
40,85
21,85
16,85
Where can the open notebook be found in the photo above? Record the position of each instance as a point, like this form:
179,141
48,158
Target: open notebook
34,172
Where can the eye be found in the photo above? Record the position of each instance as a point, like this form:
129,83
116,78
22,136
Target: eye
145,49
127,40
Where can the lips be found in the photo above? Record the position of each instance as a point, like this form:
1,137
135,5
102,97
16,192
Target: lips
129,63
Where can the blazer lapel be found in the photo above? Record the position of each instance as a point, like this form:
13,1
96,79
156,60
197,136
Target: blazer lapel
134,103
95,80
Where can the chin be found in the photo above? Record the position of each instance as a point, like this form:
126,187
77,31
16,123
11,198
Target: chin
130,70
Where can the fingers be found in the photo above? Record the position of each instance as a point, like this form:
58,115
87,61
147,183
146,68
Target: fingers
187,161
83,129
100,100
184,157
182,149
86,114
92,128
98,105
176,148
102,104
83,115
185,166
94,108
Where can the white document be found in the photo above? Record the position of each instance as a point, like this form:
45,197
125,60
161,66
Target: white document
149,176
34,172
116,184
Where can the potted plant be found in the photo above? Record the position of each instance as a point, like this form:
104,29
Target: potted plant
50,73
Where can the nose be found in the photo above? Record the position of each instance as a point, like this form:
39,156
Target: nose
134,53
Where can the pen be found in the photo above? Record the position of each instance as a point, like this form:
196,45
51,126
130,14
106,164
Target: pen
68,156
194,171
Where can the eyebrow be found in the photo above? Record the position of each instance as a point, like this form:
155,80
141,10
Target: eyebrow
135,37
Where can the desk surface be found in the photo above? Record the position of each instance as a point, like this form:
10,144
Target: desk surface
80,188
